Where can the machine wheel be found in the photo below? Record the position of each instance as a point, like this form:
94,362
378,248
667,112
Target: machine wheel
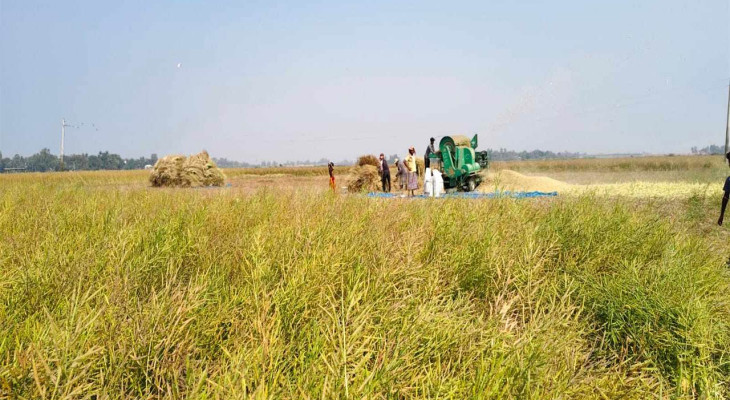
471,184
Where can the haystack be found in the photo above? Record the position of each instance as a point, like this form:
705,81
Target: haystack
180,171
420,164
364,178
199,170
167,171
368,159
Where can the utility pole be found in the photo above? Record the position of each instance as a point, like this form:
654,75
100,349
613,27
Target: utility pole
727,124
63,135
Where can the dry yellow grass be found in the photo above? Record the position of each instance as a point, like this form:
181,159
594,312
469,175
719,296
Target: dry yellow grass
514,181
111,289
649,189
508,180
649,163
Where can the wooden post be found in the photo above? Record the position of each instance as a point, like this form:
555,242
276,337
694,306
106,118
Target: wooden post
727,124
63,134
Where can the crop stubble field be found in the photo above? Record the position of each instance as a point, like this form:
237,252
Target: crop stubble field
275,288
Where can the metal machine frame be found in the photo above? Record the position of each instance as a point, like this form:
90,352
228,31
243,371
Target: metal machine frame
459,162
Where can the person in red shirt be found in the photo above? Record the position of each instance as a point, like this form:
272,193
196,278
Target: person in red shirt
331,168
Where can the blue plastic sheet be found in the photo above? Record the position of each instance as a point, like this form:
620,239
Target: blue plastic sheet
472,195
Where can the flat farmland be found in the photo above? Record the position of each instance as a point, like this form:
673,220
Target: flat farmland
274,287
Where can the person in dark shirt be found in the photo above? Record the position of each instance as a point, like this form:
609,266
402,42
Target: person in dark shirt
430,149
384,173
726,195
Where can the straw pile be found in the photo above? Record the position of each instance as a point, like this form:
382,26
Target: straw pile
166,171
180,171
368,160
515,181
363,178
200,170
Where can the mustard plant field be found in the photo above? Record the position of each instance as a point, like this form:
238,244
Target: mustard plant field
274,287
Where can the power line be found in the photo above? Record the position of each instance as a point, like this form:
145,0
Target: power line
64,125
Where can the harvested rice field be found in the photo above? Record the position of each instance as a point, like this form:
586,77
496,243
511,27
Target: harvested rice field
514,181
272,286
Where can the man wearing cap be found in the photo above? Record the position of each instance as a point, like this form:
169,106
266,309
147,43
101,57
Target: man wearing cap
430,149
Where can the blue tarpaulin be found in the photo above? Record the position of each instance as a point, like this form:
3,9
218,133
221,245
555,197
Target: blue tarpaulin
472,195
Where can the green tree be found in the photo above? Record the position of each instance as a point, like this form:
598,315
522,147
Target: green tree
42,161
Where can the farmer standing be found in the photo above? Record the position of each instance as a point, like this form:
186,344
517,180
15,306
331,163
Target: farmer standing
412,178
401,174
331,168
725,196
384,173
430,149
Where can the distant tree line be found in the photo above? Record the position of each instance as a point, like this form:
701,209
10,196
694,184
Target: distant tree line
226,163
509,155
711,149
45,161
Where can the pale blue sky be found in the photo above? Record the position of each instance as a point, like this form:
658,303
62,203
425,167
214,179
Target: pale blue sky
293,80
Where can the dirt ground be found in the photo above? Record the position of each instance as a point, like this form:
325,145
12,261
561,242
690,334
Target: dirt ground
506,180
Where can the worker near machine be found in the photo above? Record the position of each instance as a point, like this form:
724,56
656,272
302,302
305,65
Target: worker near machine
401,174
430,149
726,195
412,177
331,168
384,173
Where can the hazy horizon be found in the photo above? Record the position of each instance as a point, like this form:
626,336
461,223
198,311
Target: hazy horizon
290,81
353,159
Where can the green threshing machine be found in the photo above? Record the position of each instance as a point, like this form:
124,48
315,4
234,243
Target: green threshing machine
459,163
